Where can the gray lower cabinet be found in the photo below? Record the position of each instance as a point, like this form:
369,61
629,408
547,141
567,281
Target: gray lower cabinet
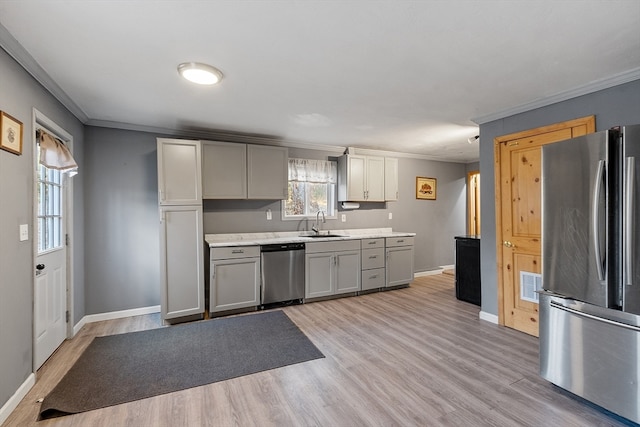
234,278
373,265
399,257
181,261
332,268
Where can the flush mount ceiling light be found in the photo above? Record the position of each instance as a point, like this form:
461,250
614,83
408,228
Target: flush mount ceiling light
201,74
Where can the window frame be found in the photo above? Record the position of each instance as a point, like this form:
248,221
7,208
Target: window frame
332,197
332,201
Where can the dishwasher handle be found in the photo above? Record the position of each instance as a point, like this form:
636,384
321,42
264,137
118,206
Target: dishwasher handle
279,247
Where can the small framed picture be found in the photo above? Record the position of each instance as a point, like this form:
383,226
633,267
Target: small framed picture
425,188
11,129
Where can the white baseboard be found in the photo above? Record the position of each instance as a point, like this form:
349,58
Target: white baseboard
79,325
488,317
90,318
427,273
14,400
433,272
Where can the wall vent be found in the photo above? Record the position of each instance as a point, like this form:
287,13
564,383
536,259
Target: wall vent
530,283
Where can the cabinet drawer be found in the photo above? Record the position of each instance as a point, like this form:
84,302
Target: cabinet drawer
332,246
399,241
372,258
235,252
373,279
372,243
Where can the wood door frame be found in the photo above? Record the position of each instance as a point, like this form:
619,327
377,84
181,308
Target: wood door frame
588,121
473,223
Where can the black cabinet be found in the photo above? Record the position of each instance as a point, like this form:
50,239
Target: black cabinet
468,269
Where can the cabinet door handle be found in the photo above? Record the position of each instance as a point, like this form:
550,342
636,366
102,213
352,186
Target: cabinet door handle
237,251
373,257
375,276
400,241
372,243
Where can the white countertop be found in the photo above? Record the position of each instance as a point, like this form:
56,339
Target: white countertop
251,239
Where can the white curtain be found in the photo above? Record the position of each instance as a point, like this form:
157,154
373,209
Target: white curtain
318,171
55,155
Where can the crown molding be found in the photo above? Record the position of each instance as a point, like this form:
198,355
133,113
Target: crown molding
248,138
10,45
594,86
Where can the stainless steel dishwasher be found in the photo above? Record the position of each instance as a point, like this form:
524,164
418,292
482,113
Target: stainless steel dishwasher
282,273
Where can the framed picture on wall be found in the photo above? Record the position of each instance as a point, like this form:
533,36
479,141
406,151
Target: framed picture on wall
11,130
425,188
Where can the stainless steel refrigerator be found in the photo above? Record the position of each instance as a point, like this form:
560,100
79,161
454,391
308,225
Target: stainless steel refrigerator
590,305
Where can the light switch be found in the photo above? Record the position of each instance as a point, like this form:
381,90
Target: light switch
344,218
24,232
390,215
268,214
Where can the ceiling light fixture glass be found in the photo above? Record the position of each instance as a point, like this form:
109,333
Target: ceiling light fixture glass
201,74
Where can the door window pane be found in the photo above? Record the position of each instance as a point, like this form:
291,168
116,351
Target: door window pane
49,209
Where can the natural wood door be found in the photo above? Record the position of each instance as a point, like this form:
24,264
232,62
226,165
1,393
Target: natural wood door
518,210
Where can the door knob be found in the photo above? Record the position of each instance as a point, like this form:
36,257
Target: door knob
508,244
40,267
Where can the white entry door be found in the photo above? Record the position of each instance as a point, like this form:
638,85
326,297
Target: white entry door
50,299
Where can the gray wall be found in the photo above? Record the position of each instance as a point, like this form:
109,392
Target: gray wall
619,105
121,207
19,94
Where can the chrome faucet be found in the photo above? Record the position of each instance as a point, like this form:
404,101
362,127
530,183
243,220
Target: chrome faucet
316,228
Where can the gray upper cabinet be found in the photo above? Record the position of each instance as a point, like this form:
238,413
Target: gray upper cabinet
267,172
244,171
224,172
361,178
179,181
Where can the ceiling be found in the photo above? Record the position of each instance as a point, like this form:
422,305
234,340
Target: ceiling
403,76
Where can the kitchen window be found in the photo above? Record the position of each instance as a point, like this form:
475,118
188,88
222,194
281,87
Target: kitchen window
311,188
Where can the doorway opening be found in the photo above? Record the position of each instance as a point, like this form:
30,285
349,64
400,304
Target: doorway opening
473,202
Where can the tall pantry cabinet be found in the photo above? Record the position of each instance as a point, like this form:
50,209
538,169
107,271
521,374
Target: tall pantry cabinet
181,229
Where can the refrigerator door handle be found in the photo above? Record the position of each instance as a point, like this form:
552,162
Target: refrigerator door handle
595,219
593,317
628,220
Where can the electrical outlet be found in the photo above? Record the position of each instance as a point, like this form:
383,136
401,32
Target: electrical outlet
390,215
344,218
269,215
24,232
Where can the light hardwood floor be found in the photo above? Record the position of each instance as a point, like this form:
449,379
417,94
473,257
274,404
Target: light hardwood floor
408,357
